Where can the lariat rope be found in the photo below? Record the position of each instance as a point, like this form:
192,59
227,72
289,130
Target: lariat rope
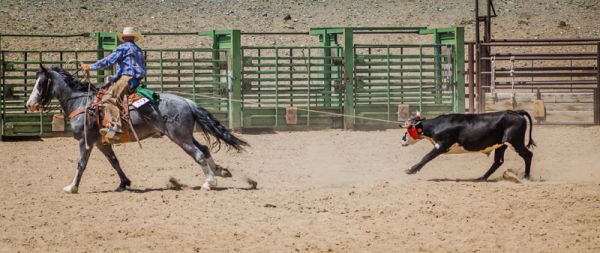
298,108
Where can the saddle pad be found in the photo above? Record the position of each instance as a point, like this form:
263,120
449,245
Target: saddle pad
148,93
138,103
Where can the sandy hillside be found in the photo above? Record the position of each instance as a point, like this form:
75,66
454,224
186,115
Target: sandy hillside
517,19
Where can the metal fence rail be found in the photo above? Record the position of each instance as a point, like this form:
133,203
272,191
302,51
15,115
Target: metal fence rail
557,68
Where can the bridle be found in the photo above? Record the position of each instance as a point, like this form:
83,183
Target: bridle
46,95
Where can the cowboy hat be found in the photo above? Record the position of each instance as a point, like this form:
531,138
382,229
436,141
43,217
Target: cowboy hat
129,32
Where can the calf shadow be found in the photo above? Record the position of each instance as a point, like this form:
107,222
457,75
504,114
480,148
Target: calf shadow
458,180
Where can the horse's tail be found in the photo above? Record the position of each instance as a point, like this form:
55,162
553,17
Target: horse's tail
526,114
211,126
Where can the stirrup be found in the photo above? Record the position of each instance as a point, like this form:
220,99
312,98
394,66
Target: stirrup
111,133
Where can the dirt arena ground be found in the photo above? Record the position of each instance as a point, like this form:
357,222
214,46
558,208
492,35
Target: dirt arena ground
340,191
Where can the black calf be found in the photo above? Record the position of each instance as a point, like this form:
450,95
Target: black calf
463,133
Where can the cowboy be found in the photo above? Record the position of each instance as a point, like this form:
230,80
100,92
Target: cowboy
131,68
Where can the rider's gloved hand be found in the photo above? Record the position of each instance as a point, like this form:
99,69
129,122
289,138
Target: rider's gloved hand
86,67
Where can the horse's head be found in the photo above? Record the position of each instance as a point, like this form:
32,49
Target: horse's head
42,91
414,130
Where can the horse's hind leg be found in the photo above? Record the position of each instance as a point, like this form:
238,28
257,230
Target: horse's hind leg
218,170
191,149
84,156
112,158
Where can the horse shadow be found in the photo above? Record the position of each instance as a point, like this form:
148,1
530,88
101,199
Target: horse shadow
164,189
461,180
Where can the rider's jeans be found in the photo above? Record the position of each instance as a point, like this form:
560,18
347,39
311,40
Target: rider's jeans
113,101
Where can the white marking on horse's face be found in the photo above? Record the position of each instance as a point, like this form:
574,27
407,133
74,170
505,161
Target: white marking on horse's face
407,139
33,103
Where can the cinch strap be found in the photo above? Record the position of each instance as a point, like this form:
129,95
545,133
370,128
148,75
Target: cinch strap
77,111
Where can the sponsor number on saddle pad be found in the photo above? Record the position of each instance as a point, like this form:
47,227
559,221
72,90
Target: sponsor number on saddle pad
139,103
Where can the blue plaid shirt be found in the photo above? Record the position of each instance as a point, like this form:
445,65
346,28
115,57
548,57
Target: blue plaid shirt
129,58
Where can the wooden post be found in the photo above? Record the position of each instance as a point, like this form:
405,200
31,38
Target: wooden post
235,103
459,70
403,112
291,115
348,78
471,79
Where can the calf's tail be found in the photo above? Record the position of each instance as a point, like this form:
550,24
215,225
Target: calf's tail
526,114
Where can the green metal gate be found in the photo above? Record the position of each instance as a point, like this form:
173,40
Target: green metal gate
390,75
332,85
307,79
199,74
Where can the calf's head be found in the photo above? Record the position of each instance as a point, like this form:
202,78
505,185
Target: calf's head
414,130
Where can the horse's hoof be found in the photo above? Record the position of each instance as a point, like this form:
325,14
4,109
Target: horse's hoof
410,171
70,189
206,186
121,189
225,172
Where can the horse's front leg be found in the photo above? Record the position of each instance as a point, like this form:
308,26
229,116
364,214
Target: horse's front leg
84,156
112,158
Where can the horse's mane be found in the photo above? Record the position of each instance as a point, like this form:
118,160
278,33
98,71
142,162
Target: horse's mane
73,82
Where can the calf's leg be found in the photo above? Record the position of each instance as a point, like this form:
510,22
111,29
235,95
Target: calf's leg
498,161
527,156
437,150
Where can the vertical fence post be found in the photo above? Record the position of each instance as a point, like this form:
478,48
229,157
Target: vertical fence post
216,70
327,67
349,78
471,79
480,91
388,83
597,91
235,56
459,69
308,64
230,40
437,59
105,41
3,88
99,55
421,78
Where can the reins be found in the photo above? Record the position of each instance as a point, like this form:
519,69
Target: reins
87,100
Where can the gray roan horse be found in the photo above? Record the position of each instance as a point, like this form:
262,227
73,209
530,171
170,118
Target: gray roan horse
173,116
